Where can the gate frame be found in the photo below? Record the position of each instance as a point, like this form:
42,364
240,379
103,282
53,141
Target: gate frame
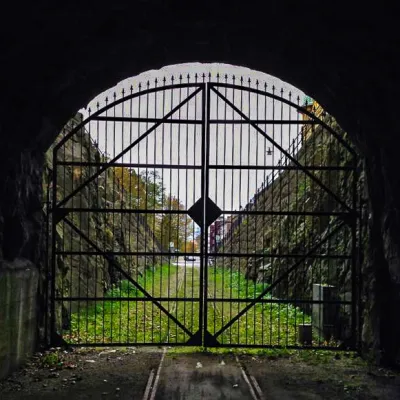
205,89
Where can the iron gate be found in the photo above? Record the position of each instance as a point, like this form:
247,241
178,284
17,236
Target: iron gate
204,212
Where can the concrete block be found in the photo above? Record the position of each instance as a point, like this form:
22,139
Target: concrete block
18,283
325,316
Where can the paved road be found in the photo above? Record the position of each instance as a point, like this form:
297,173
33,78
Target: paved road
188,264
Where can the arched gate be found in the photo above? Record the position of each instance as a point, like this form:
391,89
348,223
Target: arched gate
259,188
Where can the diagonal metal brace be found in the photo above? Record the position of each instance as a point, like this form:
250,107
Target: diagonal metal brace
274,143
280,279
133,144
127,276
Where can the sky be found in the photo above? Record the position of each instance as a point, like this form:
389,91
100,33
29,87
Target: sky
181,144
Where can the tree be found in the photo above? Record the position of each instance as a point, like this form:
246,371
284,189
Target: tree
146,192
175,227
133,186
189,247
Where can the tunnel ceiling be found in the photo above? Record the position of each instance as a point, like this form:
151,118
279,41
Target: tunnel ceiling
56,59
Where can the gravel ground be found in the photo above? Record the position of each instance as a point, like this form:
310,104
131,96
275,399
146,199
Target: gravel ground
123,373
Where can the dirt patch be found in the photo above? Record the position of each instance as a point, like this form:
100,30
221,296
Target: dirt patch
331,376
82,374
123,373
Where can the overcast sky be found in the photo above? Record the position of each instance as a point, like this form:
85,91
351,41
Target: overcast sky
180,144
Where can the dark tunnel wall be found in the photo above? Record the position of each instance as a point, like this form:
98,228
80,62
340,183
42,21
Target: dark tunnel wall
55,59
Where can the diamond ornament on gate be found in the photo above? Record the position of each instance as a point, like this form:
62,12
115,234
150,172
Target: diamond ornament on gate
212,212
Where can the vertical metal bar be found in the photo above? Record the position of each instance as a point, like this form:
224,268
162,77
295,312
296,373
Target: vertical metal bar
139,186
205,127
224,207
88,226
186,205
79,195
264,192
360,259
273,218
282,160
256,221
53,247
194,199
216,224
47,255
155,213
354,256
162,200
147,217
170,208
289,219
71,243
247,199
97,157
112,170
296,223
206,195
130,206
178,216
249,218
236,217
106,216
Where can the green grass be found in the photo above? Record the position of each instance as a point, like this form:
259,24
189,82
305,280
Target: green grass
263,324
127,321
115,320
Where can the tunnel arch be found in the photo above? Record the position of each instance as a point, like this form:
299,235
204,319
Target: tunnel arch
263,106
353,67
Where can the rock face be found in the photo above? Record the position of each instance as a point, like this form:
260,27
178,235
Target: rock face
297,250
86,241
